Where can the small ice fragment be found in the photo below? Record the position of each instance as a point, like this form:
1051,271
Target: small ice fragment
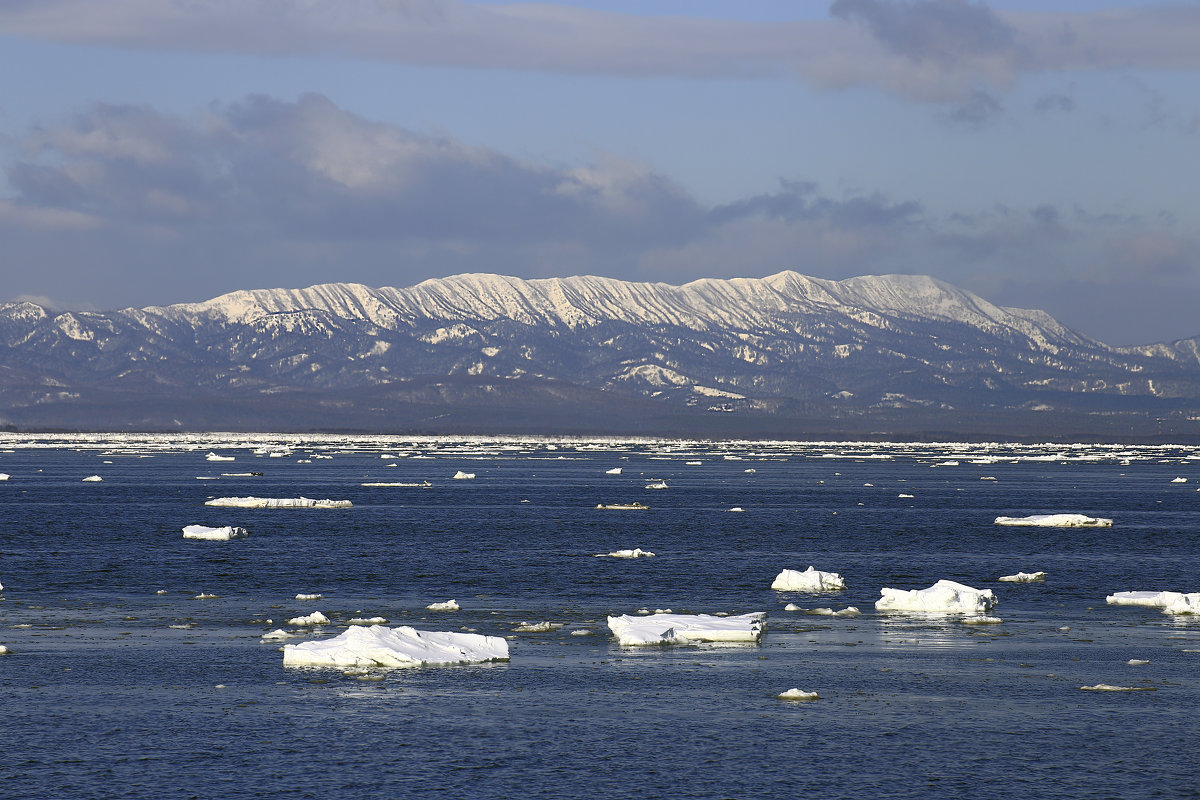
811,580
981,619
1179,480
798,694
905,496
792,607
737,508
692,463
214,534
4,476
161,591
464,476
1106,687
276,635
92,479
657,485
315,618
204,596
868,484
275,502
636,552
1055,521
367,621
987,478
848,611
3,650
310,596
663,628
581,632
613,471
403,646
750,471
1137,662
216,457
1024,577
537,627
944,597
449,605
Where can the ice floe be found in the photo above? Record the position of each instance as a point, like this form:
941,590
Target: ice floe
1056,521
798,694
663,628
366,621
92,479
736,509
421,485
276,635
449,605
214,534
1023,577
636,552
537,627
1179,480
613,471
275,502
312,596
1169,602
464,476
217,457
848,611
315,618
657,485
1108,687
4,476
810,580
622,506
944,597
378,646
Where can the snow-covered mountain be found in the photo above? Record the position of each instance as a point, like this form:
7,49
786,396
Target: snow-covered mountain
720,355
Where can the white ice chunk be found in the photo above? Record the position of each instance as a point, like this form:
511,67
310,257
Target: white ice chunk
1146,599
4,476
848,611
313,596
3,650
315,618
537,627
275,502
1056,521
737,509
367,621
811,580
636,552
613,471
1023,577
377,646
1179,480
214,534
92,479
278,634
944,597
657,485
464,476
449,605
216,457
687,628
1108,687
798,694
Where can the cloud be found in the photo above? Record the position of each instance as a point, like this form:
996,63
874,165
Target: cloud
929,50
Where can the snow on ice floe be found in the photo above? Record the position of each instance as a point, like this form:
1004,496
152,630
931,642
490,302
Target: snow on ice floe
811,580
1179,480
217,457
1108,687
1023,577
92,479
312,596
214,534
613,471
377,646
275,502
944,597
636,552
315,618
665,628
464,476
276,635
798,694
449,605
1169,602
366,621
1055,521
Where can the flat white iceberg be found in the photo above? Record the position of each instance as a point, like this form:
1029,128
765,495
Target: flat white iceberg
537,627
1108,687
663,628
1023,577
613,471
315,618
312,596
1169,602
378,646
1179,480
214,534
657,485
92,479
449,605
464,476
367,621
421,485
1056,521
216,457
811,580
276,635
944,597
798,694
275,502
4,476
636,552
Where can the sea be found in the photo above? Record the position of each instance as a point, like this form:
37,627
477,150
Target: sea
136,667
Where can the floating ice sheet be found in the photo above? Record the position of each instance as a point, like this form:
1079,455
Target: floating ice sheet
1024,577
449,605
798,694
378,646
315,618
275,502
944,597
636,552
464,476
214,534
810,580
687,628
1169,602
1056,521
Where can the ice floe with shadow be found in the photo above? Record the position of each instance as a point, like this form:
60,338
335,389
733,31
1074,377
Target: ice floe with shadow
944,597
664,629
1055,521
379,646
207,534
810,580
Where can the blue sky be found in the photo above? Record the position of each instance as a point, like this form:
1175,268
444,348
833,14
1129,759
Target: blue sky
1041,154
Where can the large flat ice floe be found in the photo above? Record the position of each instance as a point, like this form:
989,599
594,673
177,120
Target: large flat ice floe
1023,577
214,534
1056,521
687,628
636,552
811,580
275,502
944,597
378,646
1169,602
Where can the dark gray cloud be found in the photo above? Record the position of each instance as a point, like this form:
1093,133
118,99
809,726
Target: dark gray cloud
976,110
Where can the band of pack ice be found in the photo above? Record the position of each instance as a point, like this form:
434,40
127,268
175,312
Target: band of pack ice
1056,521
944,597
378,646
687,628
811,580
275,502
214,534
1169,602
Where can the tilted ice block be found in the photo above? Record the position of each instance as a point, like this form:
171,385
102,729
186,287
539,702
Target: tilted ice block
944,597
686,628
378,646
1056,521
811,580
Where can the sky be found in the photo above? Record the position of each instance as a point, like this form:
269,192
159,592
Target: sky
1040,154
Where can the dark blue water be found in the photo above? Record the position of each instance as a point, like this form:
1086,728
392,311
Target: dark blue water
101,697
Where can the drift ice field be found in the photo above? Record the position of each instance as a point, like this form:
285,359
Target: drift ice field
280,625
